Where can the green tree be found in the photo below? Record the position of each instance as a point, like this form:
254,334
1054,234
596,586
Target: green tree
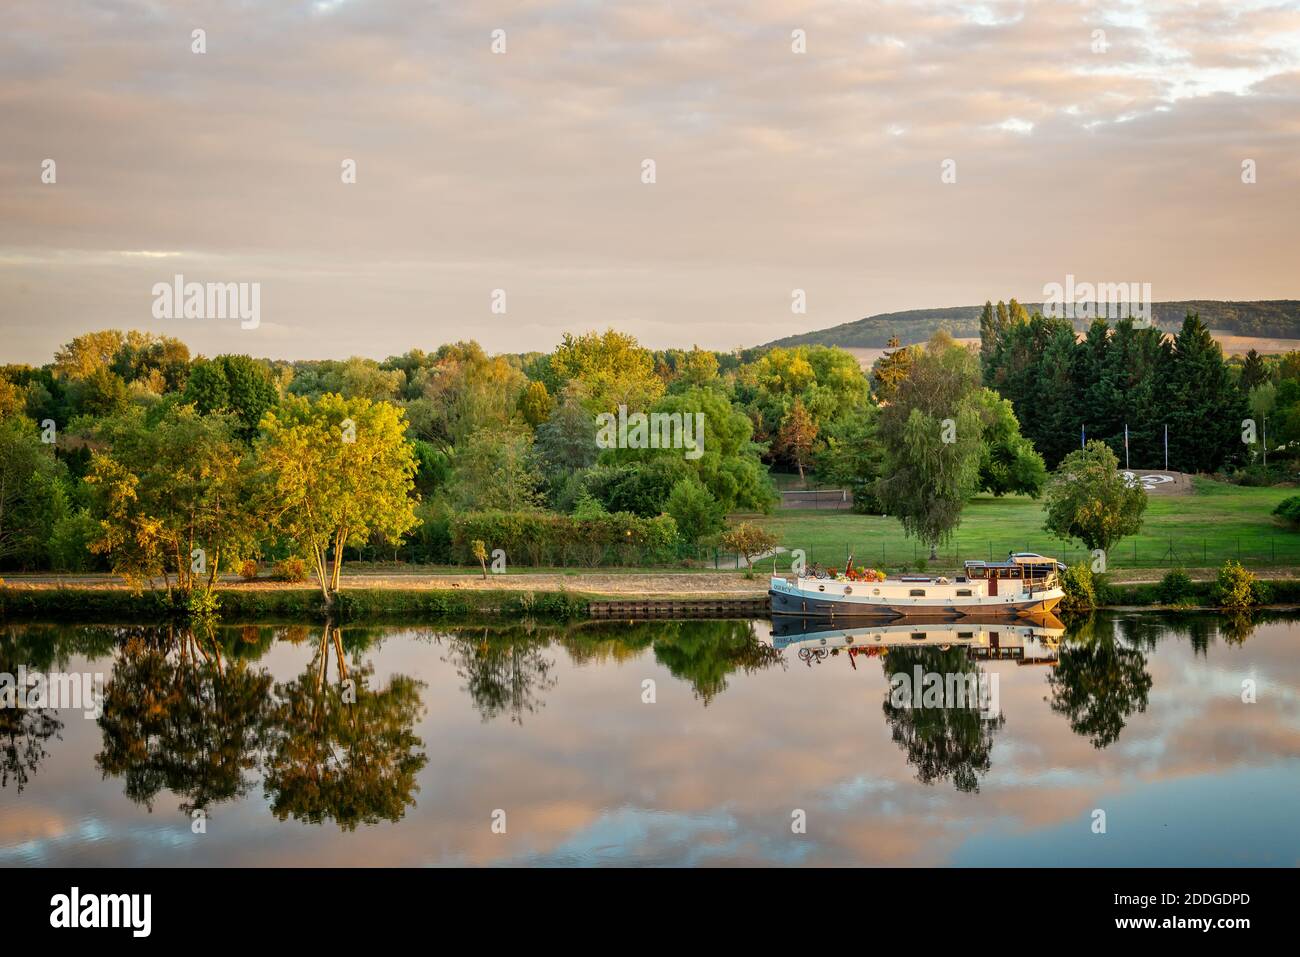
496,470
1206,407
797,434
238,385
33,496
1008,462
931,434
749,541
696,511
613,368
342,472
853,458
1089,499
174,497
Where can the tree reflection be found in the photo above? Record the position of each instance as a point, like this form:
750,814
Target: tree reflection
504,673
177,717
1097,683
23,731
343,751
705,653
946,742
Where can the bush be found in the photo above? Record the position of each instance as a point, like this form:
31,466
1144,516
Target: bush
292,570
1237,587
545,538
695,510
1289,511
748,540
248,570
1079,587
1176,588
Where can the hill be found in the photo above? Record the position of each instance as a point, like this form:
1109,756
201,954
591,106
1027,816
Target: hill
1275,318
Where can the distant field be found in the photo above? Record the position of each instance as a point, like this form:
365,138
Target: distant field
1218,522
1232,346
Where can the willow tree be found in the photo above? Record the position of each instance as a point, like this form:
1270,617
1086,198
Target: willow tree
931,436
342,473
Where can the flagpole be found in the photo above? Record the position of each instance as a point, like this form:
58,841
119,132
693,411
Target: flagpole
1166,446
1126,446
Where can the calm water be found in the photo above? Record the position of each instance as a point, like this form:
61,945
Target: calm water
409,746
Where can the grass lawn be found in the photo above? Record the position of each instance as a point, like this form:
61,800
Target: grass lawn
1217,522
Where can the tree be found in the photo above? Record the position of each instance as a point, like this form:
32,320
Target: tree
1008,462
695,510
342,473
853,458
1089,499
496,470
239,385
1253,371
931,435
615,370
1206,407
174,497
535,404
33,498
797,434
891,369
749,541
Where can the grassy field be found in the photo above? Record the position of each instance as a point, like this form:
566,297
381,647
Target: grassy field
1201,530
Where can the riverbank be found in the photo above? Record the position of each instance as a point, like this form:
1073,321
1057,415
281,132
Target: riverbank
508,597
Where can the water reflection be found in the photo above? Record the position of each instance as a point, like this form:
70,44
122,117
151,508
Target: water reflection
328,725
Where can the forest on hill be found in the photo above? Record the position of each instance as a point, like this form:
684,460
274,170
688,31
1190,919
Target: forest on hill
1276,318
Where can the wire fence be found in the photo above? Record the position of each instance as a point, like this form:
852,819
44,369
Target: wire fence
1251,551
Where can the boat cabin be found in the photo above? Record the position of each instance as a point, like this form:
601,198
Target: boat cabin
1029,567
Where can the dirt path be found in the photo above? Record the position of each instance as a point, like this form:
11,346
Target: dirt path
653,584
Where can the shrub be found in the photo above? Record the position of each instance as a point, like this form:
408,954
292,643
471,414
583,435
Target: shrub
1237,587
1176,588
748,540
292,570
1080,591
1289,511
695,510
542,538
248,570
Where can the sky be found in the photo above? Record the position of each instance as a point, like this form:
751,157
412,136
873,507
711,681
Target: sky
914,155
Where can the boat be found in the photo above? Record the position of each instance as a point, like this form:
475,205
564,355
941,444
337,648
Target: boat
1025,585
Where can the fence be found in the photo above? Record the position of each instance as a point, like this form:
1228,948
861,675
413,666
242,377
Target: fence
1258,551
1142,552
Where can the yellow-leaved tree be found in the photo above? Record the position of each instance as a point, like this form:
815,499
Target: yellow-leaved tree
342,472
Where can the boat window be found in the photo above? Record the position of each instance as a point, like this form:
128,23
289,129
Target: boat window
1015,572
963,593
918,636
965,634
917,592
975,572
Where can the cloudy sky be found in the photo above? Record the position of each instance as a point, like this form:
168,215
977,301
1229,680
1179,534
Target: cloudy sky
1113,156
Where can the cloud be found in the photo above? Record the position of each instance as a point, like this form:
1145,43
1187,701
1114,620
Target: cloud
775,170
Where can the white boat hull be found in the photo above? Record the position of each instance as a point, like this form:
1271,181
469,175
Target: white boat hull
931,598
